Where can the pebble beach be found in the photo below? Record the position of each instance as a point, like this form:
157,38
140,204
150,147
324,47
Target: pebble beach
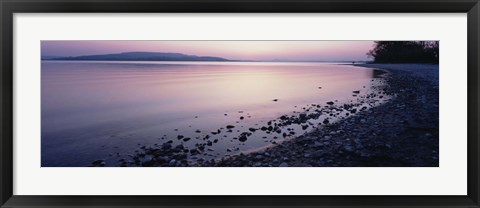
402,132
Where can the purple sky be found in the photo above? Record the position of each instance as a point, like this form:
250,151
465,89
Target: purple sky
240,50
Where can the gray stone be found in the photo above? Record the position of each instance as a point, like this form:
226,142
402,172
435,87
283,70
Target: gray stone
283,164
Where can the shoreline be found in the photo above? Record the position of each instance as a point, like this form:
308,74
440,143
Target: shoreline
403,132
393,125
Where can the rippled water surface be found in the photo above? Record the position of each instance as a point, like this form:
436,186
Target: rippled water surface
108,110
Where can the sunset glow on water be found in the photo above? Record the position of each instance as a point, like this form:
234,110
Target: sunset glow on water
108,110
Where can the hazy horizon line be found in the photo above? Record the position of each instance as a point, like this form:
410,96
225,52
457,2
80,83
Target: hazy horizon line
227,59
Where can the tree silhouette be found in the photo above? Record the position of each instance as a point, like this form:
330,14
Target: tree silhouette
405,52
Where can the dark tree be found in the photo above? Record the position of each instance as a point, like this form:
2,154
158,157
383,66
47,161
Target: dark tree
405,52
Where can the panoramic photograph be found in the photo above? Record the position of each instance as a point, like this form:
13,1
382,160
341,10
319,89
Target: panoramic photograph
132,103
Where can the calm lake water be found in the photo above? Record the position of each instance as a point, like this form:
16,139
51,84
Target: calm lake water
108,110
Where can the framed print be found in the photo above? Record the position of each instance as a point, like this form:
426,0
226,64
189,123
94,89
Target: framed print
239,104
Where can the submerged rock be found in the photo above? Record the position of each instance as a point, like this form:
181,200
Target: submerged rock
242,138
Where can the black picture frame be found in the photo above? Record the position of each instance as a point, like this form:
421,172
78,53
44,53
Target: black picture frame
10,7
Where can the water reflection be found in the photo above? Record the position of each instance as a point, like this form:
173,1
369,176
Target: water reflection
108,110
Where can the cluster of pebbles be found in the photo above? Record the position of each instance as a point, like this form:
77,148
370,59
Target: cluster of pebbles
368,131
403,132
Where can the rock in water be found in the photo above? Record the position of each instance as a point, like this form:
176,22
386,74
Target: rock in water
242,138
326,121
166,146
180,146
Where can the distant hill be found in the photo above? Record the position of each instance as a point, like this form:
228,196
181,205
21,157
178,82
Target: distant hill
141,56
51,57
